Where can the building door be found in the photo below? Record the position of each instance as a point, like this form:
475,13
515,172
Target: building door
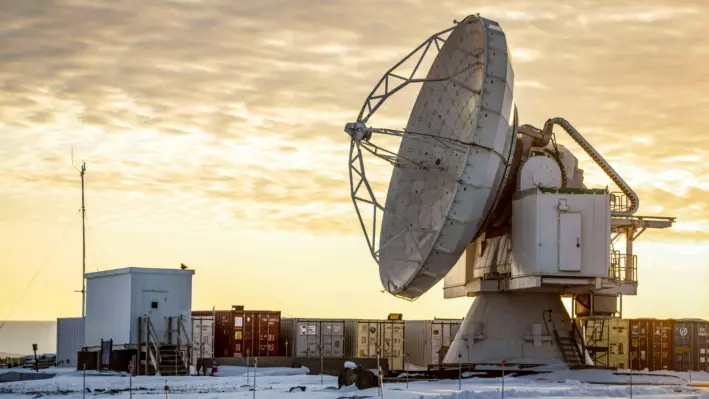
154,306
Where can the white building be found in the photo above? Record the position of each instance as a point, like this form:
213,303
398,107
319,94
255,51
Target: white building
70,340
115,299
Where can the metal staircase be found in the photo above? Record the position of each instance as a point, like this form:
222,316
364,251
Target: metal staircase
569,342
598,341
171,361
163,358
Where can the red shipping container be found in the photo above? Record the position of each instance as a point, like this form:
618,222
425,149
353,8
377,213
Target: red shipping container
261,331
238,332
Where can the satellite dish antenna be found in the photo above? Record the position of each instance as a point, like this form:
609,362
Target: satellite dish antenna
467,178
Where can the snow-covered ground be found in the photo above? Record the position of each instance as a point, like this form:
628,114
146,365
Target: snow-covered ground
272,383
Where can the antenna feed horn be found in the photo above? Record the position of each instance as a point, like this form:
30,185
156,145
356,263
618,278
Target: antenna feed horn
358,131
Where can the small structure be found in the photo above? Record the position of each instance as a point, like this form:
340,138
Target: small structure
144,312
70,340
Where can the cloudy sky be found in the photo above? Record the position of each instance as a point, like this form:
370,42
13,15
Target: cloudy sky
212,132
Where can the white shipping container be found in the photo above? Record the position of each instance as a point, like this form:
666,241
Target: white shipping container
202,338
425,339
387,335
70,340
442,335
310,337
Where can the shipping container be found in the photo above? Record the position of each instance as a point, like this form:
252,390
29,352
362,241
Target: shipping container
260,333
223,328
443,333
202,338
608,341
70,340
306,338
702,346
639,347
366,336
662,339
427,341
241,333
651,344
690,345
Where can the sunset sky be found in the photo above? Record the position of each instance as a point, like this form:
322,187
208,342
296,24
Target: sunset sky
212,132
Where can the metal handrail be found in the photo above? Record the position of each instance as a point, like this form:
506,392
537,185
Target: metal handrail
152,341
579,341
187,347
557,338
623,267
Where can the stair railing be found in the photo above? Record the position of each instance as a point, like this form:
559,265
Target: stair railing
579,344
185,347
153,346
557,339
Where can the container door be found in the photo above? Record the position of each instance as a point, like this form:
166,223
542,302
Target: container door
367,339
308,338
154,305
386,338
250,335
661,341
398,346
202,338
436,341
372,338
338,339
362,339
702,347
683,345
639,355
274,331
263,334
618,343
326,339
332,339
236,326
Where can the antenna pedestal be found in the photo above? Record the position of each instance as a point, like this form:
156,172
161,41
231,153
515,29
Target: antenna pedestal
516,327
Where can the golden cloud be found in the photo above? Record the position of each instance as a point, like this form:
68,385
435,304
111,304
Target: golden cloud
244,103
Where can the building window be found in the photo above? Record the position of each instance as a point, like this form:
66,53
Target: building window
154,305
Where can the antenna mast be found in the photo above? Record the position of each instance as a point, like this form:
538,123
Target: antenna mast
83,243
82,171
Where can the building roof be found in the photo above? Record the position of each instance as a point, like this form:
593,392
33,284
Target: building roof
144,270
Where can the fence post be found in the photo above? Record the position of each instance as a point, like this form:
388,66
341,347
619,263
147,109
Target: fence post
406,355
255,367
321,365
503,378
248,364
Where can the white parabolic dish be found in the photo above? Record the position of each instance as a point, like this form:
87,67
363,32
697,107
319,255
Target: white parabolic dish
434,211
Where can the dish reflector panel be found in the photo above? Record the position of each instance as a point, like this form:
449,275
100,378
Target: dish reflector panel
465,136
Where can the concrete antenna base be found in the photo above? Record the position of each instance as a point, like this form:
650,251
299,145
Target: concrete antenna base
518,328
